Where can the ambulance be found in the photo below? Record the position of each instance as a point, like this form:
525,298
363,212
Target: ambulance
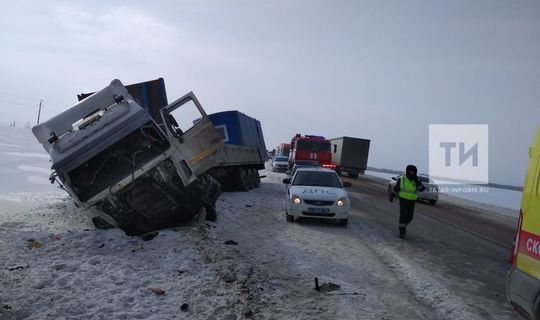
523,280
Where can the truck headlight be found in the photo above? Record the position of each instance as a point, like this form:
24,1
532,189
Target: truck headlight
340,202
296,200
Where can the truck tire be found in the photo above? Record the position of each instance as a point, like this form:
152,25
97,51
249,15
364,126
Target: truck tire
210,213
353,175
251,178
243,180
257,178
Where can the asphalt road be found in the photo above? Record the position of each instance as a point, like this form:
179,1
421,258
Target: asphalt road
469,247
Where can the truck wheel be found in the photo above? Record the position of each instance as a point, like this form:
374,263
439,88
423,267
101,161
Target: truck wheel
257,178
251,178
244,180
353,175
210,213
344,222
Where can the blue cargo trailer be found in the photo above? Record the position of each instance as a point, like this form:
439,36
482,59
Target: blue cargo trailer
239,129
244,153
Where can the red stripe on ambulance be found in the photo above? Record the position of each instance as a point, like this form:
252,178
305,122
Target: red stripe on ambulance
529,244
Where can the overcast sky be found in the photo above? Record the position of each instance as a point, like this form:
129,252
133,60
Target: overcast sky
382,70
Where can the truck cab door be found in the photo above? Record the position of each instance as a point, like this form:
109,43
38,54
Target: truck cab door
186,122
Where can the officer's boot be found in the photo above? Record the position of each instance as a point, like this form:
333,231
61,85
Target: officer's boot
402,230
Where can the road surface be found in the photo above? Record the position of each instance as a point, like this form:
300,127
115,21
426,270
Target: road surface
452,265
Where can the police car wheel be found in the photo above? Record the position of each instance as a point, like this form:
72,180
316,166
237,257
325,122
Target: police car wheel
289,218
344,222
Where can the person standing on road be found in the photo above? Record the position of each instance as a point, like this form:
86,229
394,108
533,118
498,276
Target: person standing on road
406,189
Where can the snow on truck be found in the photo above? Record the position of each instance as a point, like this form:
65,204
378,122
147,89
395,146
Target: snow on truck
310,148
143,163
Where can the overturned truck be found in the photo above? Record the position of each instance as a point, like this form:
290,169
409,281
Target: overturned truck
143,172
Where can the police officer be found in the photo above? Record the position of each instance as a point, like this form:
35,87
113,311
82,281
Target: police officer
406,189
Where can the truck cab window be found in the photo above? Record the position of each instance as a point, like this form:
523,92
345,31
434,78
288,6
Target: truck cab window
184,117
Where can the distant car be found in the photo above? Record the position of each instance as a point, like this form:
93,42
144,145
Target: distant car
430,194
280,164
317,193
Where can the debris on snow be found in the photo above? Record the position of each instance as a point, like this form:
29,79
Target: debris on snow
184,307
231,242
19,266
5,307
157,291
326,287
34,244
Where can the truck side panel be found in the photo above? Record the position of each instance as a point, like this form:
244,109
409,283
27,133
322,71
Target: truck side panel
350,153
355,153
238,129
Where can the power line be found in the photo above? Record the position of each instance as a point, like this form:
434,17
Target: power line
18,103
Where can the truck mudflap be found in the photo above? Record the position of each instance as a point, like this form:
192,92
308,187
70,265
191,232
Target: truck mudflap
151,204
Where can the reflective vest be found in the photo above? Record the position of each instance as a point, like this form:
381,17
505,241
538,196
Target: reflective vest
407,189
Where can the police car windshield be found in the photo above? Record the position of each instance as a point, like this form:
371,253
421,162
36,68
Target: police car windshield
316,178
282,159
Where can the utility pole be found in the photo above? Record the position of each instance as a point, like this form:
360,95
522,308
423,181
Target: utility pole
39,111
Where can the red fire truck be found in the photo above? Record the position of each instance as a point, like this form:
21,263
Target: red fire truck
283,149
310,148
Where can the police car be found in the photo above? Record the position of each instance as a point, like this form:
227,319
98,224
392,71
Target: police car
317,193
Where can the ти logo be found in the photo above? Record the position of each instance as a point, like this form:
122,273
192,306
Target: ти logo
458,153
